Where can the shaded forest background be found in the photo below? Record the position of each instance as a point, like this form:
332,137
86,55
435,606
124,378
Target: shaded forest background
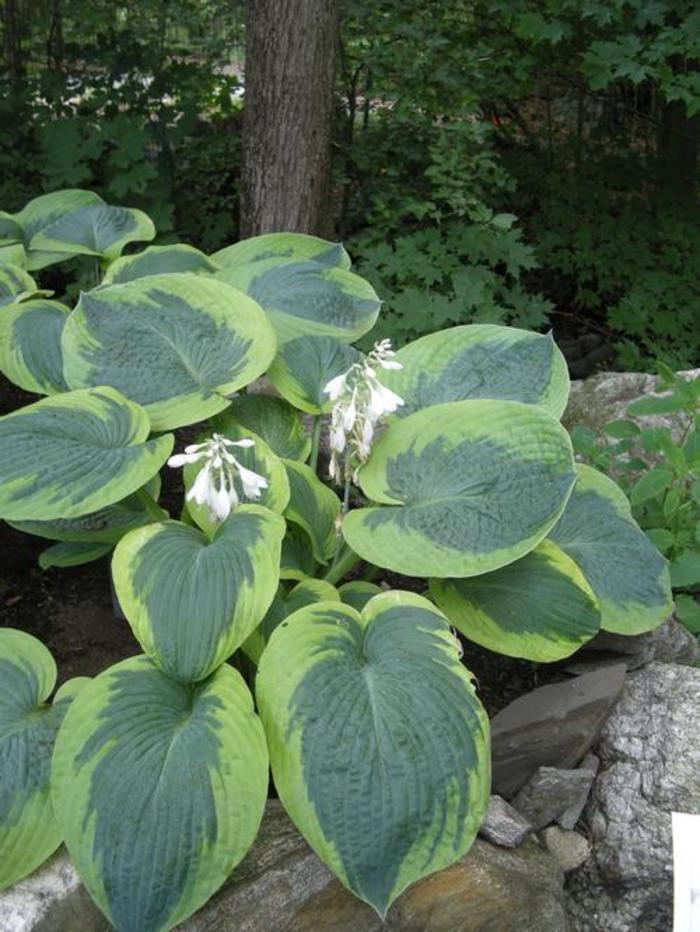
512,161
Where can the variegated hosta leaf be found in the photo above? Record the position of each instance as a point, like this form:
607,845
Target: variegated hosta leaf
463,488
304,297
283,246
156,260
481,361
273,419
191,600
72,553
297,559
159,788
304,366
314,507
623,568
94,230
357,593
10,230
72,454
107,526
378,744
258,458
15,285
29,832
539,608
177,344
30,345
12,253
307,592
41,213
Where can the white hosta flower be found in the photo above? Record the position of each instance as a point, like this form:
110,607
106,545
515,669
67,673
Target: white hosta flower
361,401
215,485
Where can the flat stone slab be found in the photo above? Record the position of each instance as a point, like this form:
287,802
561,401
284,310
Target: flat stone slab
553,726
281,886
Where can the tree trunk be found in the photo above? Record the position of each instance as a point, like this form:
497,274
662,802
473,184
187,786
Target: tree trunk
677,151
13,47
289,91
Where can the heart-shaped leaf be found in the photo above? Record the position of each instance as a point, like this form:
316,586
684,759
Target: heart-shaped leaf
283,246
191,600
157,260
41,213
307,592
623,568
259,459
273,419
304,366
30,345
481,361
539,608
73,454
464,487
378,744
305,297
177,344
94,230
314,507
159,788
29,832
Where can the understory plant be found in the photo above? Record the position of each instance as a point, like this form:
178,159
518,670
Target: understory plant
656,461
449,469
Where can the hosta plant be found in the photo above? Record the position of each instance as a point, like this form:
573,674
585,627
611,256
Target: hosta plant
443,463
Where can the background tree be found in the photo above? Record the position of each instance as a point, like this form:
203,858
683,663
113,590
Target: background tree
289,93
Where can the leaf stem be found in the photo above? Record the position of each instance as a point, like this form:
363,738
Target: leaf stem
315,441
151,506
342,565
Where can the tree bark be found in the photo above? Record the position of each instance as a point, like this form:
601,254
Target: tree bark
289,91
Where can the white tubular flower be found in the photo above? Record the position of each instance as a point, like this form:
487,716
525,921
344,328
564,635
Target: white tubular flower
361,401
215,485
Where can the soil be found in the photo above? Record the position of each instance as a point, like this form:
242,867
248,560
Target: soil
72,611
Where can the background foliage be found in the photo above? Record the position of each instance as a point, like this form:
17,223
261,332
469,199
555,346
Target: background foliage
533,163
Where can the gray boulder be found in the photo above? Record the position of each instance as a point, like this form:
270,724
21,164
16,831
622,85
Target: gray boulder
551,792
569,849
669,643
650,766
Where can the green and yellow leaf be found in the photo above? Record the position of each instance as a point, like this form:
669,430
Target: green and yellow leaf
30,345
314,507
29,832
462,489
273,419
159,260
304,297
72,553
159,788
15,285
623,568
539,608
94,230
73,454
192,600
283,246
481,361
378,744
304,366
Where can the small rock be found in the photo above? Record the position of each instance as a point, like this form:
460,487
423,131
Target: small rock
669,643
282,885
550,792
649,767
572,814
553,726
504,825
569,849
